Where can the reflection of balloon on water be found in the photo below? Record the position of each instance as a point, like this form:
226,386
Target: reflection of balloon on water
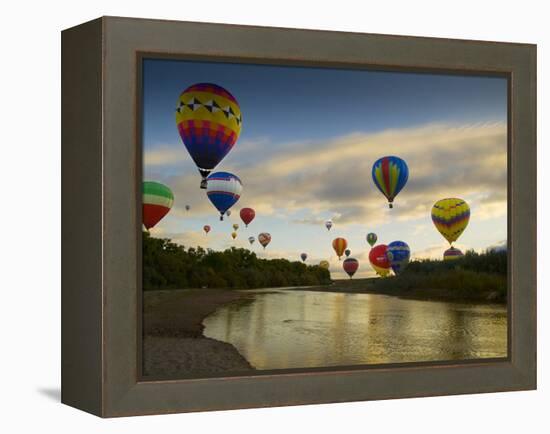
371,238
209,122
398,255
324,264
451,216
378,257
390,174
347,252
339,245
228,213
206,228
247,215
187,207
304,257
452,254
328,224
350,266
157,201
235,226
264,239
251,240
224,190
233,235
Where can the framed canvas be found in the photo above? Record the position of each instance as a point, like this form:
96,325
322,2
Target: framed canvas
263,217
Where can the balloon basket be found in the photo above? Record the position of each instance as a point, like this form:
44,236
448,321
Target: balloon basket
204,184
391,205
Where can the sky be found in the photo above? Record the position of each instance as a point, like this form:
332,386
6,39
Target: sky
305,153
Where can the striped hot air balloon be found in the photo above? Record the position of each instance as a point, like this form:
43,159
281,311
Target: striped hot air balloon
157,201
224,190
390,174
452,254
209,122
378,257
339,245
350,266
399,254
451,216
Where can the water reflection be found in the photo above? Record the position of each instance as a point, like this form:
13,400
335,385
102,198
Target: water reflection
297,329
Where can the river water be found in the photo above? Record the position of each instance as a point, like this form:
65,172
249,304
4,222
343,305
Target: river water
281,329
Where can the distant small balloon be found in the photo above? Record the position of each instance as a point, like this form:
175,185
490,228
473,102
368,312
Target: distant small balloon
452,254
235,226
324,264
233,235
350,266
304,257
328,224
339,245
251,240
206,228
187,207
228,213
347,252
371,238
264,239
247,215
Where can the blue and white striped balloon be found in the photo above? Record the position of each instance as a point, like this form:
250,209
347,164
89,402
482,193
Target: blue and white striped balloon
224,190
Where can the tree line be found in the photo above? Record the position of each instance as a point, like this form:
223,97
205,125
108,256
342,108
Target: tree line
167,265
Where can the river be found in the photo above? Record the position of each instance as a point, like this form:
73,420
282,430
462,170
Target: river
281,329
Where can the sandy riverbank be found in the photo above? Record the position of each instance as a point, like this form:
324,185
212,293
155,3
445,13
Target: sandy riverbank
173,344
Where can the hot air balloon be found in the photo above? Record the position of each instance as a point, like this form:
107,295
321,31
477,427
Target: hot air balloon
187,207
247,215
157,201
378,257
398,255
371,238
209,122
324,264
224,190
206,228
264,239
233,235
328,224
251,240
235,226
450,217
228,213
452,254
347,252
304,257
339,245
390,174
350,266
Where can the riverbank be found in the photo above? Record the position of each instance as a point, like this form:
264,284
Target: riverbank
394,286
173,342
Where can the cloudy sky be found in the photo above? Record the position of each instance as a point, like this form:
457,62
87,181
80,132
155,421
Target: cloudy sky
305,153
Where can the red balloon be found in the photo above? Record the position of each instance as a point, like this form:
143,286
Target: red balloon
379,256
350,266
247,215
206,229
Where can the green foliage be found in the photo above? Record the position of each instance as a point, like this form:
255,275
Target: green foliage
167,265
474,276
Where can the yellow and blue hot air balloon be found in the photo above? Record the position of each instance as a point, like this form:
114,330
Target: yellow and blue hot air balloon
390,174
209,122
451,216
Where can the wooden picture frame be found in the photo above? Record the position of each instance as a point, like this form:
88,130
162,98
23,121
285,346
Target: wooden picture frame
101,213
